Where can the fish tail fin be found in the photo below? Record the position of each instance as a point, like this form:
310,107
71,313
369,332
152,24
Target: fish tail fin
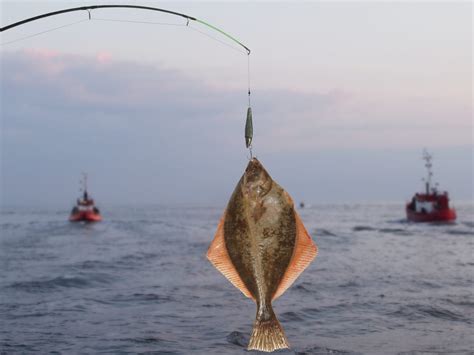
267,334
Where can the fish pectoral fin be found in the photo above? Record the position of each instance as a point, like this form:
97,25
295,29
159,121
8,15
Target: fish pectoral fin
305,251
219,257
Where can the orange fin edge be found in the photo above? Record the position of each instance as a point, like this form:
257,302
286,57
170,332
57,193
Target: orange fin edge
219,257
304,253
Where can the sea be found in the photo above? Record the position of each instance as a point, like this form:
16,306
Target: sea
139,283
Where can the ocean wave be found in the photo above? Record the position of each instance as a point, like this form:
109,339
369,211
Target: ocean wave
316,312
426,284
460,232
7,213
460,263
10,226
304,286
399,231
136,257
463,301
123,262
145,340
399,221
469,224
213,305
416,312
324,233
432,352
291,317
9,347
363,229
60,282
92,264
349,284
31,315
317,350
141,297
238,338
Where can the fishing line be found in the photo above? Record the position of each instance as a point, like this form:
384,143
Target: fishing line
40,33
144,22
216,39
249,120
248,75
248,132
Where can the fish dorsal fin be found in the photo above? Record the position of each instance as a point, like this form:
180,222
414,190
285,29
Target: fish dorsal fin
219,257
305,251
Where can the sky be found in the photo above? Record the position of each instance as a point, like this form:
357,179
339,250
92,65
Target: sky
345,95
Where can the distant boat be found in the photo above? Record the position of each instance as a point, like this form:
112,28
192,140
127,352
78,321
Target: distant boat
431,206
85,210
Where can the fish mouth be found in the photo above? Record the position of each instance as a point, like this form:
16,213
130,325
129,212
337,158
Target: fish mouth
254,171
254,166
257,182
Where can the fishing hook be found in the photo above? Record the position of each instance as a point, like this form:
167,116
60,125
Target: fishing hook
250,152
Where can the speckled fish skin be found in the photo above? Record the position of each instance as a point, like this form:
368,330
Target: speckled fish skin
261,246
260,233
260,236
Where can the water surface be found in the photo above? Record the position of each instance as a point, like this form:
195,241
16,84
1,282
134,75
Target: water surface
139,282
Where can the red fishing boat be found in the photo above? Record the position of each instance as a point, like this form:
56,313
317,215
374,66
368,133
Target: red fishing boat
431,206
85,210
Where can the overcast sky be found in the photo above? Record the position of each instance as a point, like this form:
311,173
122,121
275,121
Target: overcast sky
345,97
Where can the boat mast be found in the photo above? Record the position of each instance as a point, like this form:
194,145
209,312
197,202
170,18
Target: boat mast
427,157
84,184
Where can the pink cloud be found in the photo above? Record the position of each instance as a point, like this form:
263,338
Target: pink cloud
51,62
41,53
103,57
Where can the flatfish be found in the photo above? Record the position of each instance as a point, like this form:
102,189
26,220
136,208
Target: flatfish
261,246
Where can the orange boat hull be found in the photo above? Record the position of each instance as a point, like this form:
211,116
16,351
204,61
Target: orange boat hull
444,215
86,216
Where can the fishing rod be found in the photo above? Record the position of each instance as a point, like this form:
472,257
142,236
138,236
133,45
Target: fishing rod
248,123
92,7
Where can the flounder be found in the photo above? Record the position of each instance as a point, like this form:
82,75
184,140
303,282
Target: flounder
261,246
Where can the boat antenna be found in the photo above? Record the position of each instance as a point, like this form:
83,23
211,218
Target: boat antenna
85,181
427,157
84,184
